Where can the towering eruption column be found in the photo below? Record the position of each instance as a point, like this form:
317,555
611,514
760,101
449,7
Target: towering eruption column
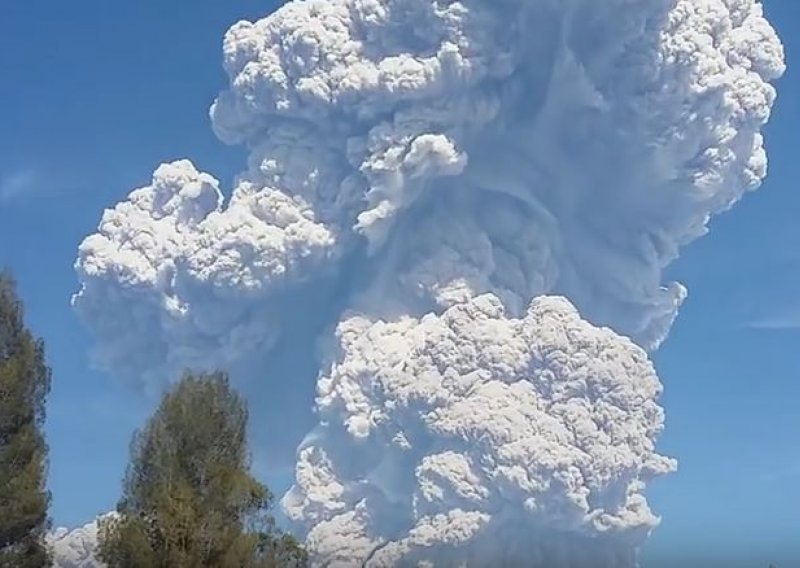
491,190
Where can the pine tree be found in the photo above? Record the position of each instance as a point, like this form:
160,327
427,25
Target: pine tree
24,385
188,497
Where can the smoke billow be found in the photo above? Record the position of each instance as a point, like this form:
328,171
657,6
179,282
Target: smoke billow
485,195
76,548
461,436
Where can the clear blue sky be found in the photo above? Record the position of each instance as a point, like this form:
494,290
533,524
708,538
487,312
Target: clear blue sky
95,94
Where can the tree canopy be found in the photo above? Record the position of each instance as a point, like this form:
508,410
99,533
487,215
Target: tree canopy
188,497
24,385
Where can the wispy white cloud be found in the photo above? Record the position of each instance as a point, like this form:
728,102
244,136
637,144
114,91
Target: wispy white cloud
17,184
791,471
787,318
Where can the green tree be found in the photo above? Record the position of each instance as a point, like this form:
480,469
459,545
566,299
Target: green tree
188,497
24,385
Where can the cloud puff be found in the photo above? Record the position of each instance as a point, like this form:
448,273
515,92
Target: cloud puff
76,548
412,158
445,439
197,277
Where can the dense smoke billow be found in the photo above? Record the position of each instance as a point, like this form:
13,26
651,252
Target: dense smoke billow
461,437
482,195
76,548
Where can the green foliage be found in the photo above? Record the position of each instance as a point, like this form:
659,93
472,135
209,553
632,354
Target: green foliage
188,497
24,385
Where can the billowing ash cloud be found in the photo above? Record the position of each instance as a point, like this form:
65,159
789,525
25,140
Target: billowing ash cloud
439,174
76,548
456,437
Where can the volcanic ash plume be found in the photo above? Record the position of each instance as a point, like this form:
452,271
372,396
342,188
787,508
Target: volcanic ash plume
76,548
471,437
485,195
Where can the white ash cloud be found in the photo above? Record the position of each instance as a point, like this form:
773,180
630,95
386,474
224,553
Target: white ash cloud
411,157
197,277
76,548
457,437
